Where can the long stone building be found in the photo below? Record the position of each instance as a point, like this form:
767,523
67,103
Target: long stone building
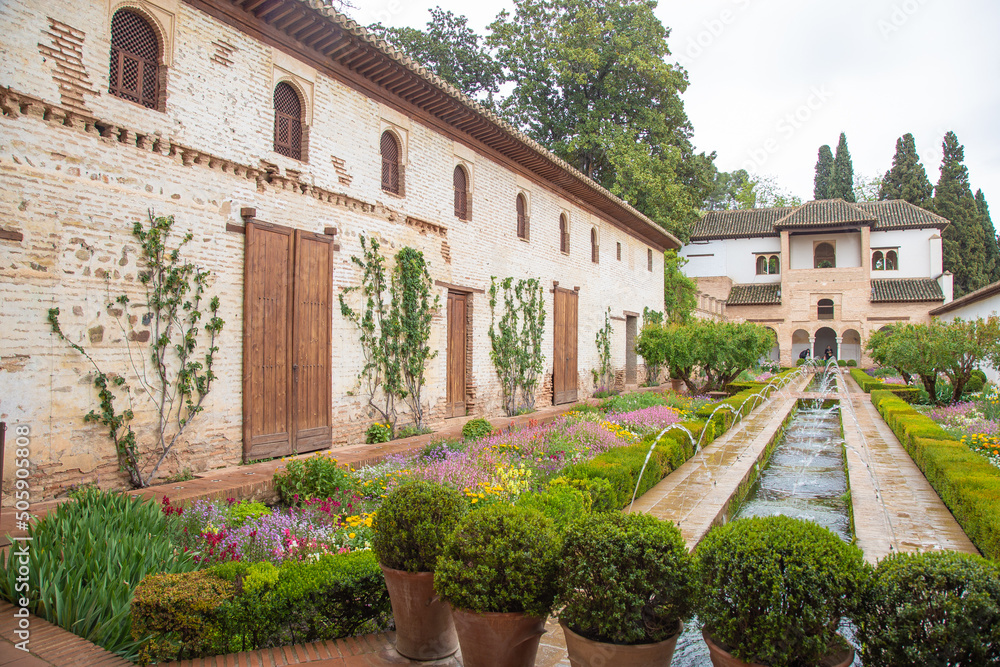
823,274
276,132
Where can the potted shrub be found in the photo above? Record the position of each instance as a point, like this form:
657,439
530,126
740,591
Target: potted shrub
937,608
410,529
773,590
627,583
498,572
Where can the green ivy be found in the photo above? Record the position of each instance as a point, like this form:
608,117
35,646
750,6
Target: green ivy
412,310
516,340
654,363
604,376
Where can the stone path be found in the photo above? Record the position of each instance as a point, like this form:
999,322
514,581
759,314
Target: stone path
895,509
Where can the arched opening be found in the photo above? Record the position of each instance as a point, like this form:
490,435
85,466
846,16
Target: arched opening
773,265
775,354
824,309
649,259
850,346
594,248
134,73
461,183
287,121
800,344
825,338
878,261
891,260
389,146
824,256
522,217
563,234
761,265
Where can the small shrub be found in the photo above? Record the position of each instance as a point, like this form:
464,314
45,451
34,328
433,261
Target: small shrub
413,523
500,559
477,428
975,384
597,491
937,608
411,430
625,579
774,588
439,449
562,503
852,363
800,361
979,373
378,433
842,363
314,477
240,512
632,401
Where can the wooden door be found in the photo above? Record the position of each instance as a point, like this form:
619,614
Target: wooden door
564,376
286,341
267,350
311,349
455,401
631,365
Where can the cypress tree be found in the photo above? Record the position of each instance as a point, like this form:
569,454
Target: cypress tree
907,178
824,173
842,183
964,243
990,233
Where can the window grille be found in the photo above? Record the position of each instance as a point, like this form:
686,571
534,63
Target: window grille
461,194
563,234
287,121
522,217
390,163
135,56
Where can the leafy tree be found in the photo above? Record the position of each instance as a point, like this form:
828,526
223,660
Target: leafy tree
726,188
680,293
964,240
592,85
867,189
912,349
907,179
653,362
452,50
992,247
764,192
823,181
842,179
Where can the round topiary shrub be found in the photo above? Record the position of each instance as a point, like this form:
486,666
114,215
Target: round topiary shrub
500,559
938,608
979,373
974,385
773,589
625,579
476,428
842,363
413,523
852,363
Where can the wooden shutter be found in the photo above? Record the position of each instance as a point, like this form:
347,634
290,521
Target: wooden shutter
267,349
312,352
135,55
522,217
287,121
461,194
564,358
594,257
390,163
456,387
563,234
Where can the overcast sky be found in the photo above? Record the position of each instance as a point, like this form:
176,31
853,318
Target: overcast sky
773,80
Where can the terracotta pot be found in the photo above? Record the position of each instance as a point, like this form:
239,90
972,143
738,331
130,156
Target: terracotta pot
424,627
585,652
722,658
498,640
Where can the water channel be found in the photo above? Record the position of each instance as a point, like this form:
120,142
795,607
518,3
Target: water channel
804,478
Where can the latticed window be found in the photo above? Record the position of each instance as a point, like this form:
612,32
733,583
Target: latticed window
287,121
824,309
135,60
522,217
594,248
564,233
886,261
649,259
461,194
391,181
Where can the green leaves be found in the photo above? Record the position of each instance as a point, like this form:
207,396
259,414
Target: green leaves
413,523
605,375
516,340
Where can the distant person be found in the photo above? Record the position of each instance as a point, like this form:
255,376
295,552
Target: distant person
829,353
804,354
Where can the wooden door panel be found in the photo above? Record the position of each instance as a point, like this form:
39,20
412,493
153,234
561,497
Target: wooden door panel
312,354
571,352
564,352
266,341
456,388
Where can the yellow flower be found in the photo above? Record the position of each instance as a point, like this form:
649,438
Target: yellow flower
351,535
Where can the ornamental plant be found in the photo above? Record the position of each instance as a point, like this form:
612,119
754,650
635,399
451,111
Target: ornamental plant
773,589
500,559
625,579
412,524
317,476
476,429
516,340
935,608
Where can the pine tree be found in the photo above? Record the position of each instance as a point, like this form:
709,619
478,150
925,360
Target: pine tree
992,243
842,180
824,173
964,243
907,178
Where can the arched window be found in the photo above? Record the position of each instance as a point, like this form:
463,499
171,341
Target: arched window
773,265
461,194
618,251
594,248
134,74
878,261
391,173
824,309
761,265
287,121
649,259
891,261
564,234
522,217
824,256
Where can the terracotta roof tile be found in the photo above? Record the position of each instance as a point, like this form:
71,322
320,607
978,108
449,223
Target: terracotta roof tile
900,214
761,294
897,290
825,213
738,224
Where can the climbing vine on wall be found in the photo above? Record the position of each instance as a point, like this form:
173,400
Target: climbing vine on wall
177,375
604,376
516,340
651,359
412,310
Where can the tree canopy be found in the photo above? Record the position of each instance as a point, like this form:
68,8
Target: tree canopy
907,179
823,181
679,291
842,178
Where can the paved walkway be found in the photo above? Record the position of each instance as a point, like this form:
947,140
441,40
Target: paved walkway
895,509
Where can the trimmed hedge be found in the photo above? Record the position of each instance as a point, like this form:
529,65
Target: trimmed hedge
869,384
966,482
240,607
